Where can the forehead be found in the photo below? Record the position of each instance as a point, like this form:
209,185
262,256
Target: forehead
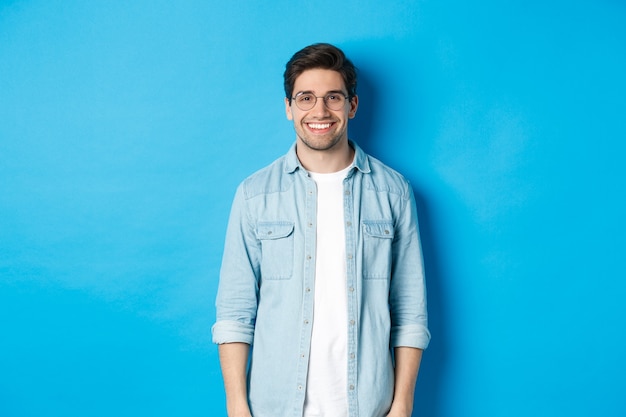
319,81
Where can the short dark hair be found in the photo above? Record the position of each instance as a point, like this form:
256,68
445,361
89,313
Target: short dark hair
323,56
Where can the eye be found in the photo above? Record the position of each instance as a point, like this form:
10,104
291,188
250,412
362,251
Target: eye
336,99
303,98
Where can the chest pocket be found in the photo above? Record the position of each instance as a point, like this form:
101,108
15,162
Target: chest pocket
276,249
377,240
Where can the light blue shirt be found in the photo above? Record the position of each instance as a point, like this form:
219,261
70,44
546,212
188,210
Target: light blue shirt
265,295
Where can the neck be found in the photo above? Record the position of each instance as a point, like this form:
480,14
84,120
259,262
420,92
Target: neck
325,161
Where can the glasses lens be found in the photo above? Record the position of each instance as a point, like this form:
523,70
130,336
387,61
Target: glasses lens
305,101
335,101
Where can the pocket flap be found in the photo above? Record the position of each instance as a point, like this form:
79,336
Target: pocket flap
273,230
380,228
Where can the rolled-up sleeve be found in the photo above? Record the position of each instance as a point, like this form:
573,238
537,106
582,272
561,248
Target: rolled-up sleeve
236,303
227,331
407,298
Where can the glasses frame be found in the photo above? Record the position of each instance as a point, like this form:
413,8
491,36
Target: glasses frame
324,98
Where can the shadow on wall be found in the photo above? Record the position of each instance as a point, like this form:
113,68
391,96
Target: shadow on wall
429,387
429,390
362,126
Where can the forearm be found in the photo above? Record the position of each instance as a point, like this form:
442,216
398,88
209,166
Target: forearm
234,361
407,364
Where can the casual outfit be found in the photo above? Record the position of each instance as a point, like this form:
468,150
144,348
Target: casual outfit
321,298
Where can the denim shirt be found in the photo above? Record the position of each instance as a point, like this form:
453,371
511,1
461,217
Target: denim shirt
265,295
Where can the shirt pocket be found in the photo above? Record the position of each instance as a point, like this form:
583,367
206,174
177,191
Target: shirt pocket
377,240
276,249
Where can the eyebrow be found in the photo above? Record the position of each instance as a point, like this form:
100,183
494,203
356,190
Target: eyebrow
327,93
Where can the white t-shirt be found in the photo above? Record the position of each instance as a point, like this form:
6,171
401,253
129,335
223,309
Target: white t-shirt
327,377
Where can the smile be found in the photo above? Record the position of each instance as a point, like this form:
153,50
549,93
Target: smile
319,126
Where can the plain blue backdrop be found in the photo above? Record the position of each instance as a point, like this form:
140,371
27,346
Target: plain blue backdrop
125,127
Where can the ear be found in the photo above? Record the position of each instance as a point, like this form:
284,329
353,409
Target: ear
288,109
354,104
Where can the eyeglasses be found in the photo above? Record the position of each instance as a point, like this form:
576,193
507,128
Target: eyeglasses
334,101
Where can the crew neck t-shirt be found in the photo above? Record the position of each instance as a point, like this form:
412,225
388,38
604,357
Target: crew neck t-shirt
326,393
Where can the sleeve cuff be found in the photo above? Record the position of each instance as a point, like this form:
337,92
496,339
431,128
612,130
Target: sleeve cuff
227,331
416,336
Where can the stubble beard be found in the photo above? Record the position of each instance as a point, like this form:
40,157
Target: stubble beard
323,143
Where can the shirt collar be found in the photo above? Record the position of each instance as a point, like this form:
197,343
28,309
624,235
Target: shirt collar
361,161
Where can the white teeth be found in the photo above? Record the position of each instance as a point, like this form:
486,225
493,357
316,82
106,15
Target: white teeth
319,125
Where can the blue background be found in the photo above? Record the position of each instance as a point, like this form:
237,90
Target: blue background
125,127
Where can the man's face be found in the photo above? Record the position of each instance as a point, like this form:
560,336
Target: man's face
320,128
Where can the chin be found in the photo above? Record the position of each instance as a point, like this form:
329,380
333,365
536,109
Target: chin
321,145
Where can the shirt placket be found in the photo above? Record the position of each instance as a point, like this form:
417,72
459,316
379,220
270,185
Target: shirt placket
308,293
348,204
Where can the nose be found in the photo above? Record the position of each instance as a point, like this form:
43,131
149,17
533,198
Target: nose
320,107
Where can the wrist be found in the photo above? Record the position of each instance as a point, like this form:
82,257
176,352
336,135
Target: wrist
237,408
401,408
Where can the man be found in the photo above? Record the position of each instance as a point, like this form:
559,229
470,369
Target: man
321,307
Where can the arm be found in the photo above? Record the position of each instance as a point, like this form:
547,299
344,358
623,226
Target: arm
406,369
234,361
409,332
236,306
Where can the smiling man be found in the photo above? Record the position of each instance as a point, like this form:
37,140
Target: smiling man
321,307
322,130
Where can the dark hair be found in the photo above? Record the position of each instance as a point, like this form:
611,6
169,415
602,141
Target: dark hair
323,56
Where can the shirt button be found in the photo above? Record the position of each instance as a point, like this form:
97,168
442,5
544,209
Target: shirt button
350,256
351,289
349,224
308,290
351,387
306,322
386,232
352,356
347,192
351,322
299,387
308,257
